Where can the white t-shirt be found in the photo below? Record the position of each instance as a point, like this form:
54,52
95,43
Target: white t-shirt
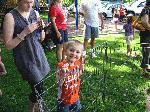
91,8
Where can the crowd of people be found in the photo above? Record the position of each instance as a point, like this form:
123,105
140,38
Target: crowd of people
23,31
119,15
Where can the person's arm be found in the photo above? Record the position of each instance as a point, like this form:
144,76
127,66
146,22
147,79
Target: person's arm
42,25
82,61
101,19
145,21
81,10
61,75
8,31
100,15
57,75
55,27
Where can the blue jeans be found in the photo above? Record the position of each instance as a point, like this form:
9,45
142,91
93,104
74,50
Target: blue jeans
61,107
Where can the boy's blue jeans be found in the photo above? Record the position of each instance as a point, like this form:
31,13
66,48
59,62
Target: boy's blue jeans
61,107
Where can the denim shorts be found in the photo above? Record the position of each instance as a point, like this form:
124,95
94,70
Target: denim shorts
64,35
91,32
61,107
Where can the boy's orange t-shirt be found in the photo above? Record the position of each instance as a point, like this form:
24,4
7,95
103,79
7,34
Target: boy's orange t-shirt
69,90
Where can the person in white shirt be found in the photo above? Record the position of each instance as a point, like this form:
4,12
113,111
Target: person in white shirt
91,11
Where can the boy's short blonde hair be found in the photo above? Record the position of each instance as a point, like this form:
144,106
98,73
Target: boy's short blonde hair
72,43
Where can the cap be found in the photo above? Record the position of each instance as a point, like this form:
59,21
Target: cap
129,15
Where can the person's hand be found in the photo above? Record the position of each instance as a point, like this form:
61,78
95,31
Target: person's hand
29,29
83,56
58,35
41,23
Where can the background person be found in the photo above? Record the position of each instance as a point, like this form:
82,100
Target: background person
68,74
145,44
21,33
115,18
144,39
129,34
91,11
121,13
59,33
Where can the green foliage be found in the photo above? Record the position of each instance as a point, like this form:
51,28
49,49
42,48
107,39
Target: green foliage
128,1
69,2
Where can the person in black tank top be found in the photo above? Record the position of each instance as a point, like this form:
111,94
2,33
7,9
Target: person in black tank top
145,44
22,32
145,39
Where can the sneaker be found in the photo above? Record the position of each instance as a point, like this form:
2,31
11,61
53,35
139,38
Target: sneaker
93,55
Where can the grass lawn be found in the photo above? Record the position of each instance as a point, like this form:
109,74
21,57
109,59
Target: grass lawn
111,82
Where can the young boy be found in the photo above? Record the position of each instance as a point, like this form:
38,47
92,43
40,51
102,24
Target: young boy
68,77
129,34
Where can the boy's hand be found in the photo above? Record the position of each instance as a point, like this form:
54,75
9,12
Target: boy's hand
83,57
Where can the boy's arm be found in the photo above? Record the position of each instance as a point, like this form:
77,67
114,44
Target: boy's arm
61,75
100,15
82,61
57,74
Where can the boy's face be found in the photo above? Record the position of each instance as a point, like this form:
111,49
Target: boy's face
74,53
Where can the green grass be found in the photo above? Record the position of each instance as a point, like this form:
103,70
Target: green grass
115,86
